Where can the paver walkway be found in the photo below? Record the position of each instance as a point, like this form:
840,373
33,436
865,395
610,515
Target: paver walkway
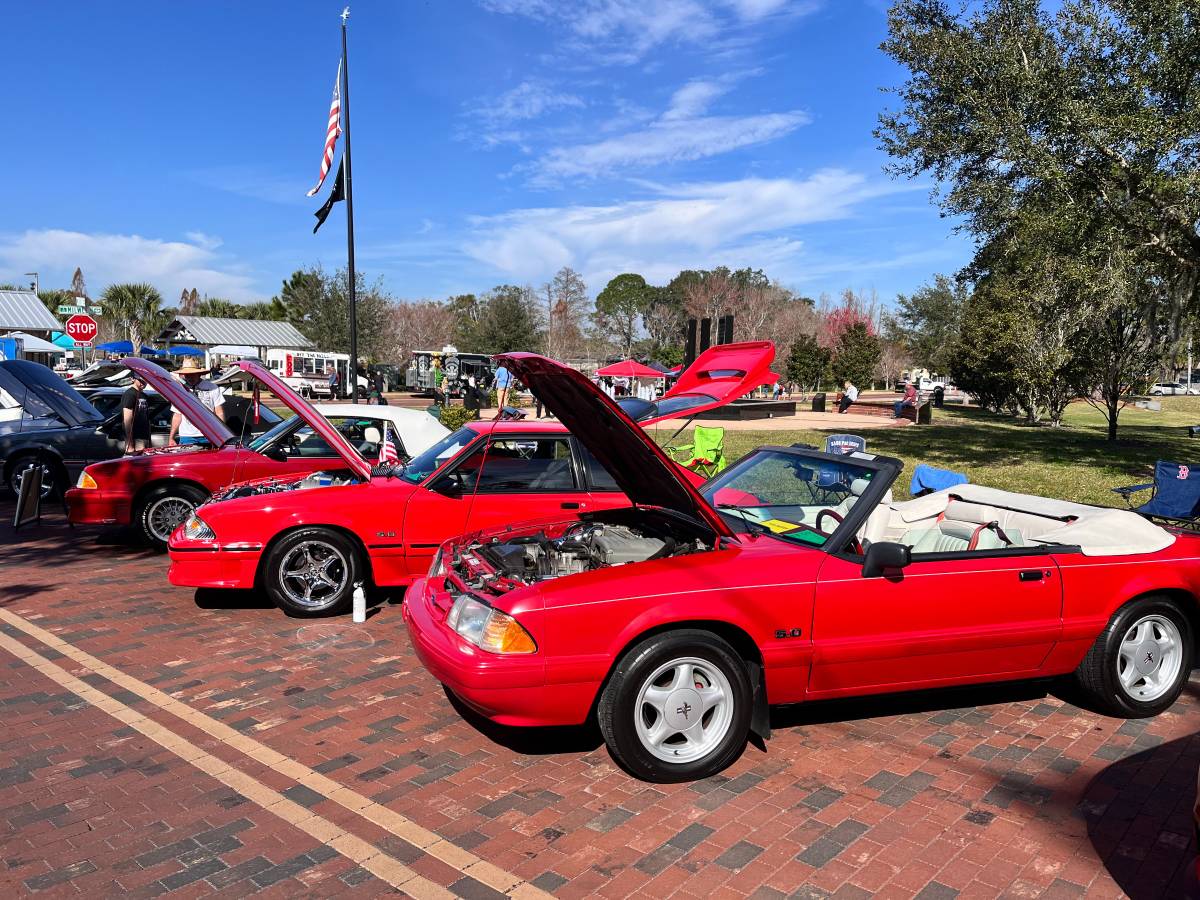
158,741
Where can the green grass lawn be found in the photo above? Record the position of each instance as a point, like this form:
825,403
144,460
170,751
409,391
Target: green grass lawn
1072,462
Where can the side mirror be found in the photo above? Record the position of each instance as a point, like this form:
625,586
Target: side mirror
447,486
883,557
277,453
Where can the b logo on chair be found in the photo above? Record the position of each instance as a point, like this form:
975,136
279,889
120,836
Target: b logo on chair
1183,473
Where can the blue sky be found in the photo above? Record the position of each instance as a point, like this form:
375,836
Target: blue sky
494,141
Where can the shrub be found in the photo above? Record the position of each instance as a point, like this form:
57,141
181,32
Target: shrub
455,417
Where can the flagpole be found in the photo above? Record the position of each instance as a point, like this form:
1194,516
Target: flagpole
349,216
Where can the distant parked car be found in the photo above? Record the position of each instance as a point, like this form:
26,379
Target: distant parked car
1172,387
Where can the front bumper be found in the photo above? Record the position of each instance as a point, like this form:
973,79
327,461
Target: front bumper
211,567
510,690
93,506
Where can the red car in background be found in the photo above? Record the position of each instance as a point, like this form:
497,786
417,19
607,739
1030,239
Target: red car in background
158,489
791,576
308,550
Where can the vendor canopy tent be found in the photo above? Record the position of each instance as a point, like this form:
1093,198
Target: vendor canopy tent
629,368
33,344
116,347
185,351
23,311
209,331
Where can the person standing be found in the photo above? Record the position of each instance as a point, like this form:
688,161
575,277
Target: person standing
333,383
439,377
208,394
503,382
849,395
135,417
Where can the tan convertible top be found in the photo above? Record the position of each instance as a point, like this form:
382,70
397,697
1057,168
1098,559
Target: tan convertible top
1096,530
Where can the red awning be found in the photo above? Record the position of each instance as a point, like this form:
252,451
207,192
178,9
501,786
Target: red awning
629,368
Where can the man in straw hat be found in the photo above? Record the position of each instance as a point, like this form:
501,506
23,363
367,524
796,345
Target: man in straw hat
207,393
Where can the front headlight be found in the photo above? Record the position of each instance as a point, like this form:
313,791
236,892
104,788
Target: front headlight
86,481
487,628
196,529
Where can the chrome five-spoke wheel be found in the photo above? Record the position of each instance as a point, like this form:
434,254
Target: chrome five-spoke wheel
1149,658
313,574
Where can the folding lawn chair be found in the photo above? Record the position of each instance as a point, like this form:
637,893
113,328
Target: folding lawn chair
706,452
1175,492
830,482
845,443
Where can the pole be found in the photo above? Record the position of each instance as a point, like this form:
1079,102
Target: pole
349,217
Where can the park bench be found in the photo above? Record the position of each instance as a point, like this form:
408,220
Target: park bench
921,414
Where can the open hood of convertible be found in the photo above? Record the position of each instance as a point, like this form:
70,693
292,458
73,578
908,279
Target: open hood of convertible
40,392
171,388
305,410
719,375
644,472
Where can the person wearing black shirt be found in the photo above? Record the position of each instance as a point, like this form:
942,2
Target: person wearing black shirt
136,419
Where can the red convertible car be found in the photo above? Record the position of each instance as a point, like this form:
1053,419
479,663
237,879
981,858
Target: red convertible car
158,489
791,576
308,551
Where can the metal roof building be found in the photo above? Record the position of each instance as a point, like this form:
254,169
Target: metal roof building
23,311
203,331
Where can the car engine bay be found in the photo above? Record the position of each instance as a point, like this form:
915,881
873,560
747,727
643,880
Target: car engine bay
504,562
280,486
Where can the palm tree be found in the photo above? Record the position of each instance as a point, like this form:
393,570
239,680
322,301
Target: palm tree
137,310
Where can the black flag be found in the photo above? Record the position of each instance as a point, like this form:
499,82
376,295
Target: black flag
338,193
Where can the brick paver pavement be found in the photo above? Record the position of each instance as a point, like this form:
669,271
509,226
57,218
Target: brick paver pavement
344,750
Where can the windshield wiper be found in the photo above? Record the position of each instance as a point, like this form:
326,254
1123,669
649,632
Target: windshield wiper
733,509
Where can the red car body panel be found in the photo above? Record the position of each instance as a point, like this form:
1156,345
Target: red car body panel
820,628
124,480
399,524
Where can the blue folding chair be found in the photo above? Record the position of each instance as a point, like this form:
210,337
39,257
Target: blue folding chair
927,479
845,443
831,482
1175,492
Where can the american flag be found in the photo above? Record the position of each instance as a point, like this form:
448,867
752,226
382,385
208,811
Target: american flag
332,130
387,447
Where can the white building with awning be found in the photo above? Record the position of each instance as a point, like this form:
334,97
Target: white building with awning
221,338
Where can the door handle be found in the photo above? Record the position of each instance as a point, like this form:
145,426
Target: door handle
570,505
1032,575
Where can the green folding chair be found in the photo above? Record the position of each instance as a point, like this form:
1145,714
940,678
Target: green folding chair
705,454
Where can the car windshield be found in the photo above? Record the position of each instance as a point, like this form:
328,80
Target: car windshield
793,496
265,439
421,467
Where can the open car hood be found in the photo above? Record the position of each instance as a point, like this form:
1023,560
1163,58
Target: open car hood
309,414
173,390
719,375
41,393
643,471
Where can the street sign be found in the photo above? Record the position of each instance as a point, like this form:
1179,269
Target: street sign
83,329
72,310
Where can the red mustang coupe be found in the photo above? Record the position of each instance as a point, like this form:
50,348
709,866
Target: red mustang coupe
158,489
791,576
309,550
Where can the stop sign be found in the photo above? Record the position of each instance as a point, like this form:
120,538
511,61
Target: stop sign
82,328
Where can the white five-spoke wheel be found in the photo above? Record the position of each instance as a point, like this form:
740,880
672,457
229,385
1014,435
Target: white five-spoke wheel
1139,663
1149,658
312,572
677,706
683,710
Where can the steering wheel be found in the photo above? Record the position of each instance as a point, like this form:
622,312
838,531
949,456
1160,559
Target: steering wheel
827,512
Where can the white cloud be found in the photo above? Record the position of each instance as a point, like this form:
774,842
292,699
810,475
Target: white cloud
624,31
530,99
694,99
665,141
745,222
170,266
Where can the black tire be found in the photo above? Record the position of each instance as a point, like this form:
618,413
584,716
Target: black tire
618,708
1098,676
54,477
164,505
287,555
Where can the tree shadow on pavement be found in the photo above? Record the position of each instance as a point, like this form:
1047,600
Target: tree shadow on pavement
544,741
1139,820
